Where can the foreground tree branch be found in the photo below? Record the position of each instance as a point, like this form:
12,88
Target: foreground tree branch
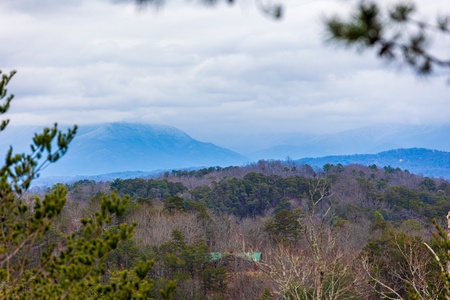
394,34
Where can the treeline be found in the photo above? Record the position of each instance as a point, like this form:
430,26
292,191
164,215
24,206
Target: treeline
257,189
340,232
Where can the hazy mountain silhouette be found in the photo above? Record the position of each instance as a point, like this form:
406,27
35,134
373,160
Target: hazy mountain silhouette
370,139
119,147
127,147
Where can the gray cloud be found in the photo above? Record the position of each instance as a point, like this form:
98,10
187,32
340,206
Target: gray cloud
204,70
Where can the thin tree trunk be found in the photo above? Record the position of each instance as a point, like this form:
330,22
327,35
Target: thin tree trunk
319,282
448,237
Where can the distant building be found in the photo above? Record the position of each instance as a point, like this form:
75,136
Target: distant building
238,261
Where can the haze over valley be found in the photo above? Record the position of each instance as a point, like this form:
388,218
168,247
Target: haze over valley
124,148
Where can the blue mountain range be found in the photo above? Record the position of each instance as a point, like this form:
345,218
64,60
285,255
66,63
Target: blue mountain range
127,149
432,163
120,147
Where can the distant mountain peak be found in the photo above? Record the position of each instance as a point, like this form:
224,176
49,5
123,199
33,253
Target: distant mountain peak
122,147
137,129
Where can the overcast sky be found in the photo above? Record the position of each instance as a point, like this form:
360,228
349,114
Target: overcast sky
208,71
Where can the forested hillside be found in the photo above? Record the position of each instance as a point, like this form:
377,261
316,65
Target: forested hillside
428,162
274,230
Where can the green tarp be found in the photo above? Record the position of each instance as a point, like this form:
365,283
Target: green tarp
251,256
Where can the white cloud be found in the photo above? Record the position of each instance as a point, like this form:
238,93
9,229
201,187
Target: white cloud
204,70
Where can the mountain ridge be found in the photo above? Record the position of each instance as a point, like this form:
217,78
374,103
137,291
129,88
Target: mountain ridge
368,139
122,147
428,162
128,147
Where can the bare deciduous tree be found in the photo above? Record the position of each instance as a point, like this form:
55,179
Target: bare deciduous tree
414,273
